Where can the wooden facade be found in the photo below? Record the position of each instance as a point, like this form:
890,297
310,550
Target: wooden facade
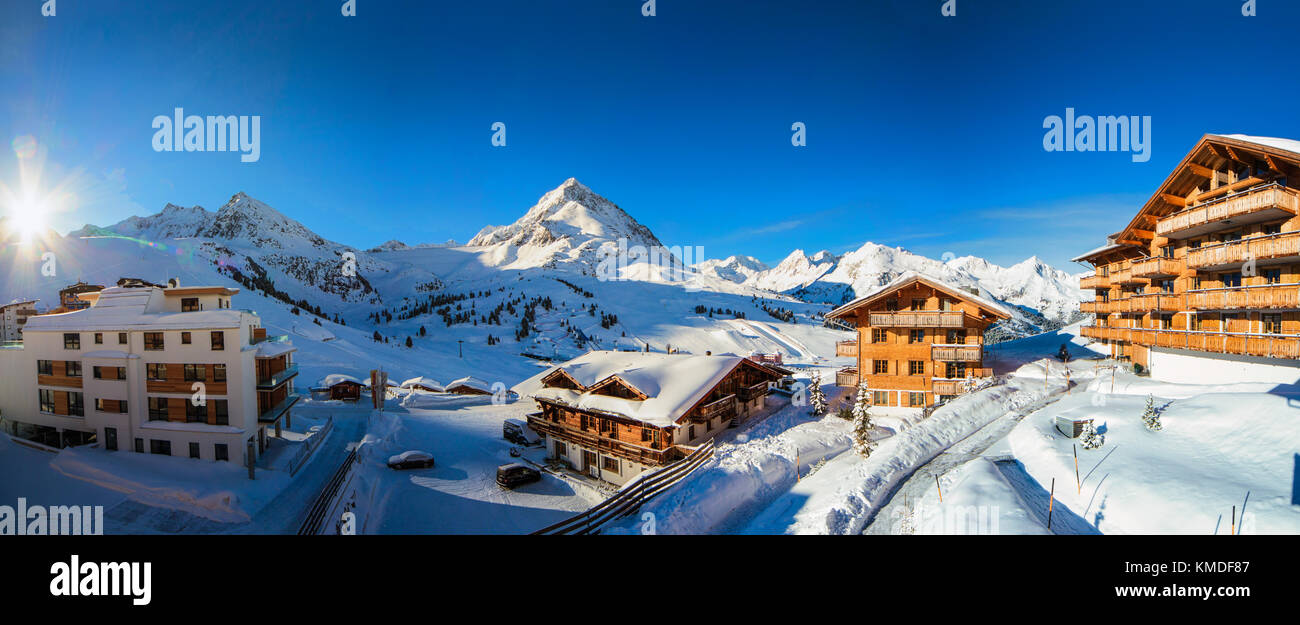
1210,263
919,342
602,434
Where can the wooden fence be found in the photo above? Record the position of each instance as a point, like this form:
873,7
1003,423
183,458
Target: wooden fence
633,496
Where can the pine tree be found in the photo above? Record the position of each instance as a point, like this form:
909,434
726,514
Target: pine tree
862,424
816,398
1151,418
1090,438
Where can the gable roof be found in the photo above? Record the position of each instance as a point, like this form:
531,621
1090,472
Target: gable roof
1210,153
672,383
912,277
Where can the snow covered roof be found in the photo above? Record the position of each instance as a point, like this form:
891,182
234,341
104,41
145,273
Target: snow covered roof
912,276
1286,145
471,382
422,382
1109,247
336,378
271,350
140,308
672,383
19,302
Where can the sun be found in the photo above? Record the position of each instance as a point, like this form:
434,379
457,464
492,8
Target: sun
28,218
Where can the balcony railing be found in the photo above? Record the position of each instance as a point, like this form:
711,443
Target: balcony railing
276,379
1154,302
847,376
1113,334
1094,282
1243,343
1259,203
1282,245
1157,267
273,414
1260,296
957,353
1096,308
749,393
918,319
725,408
846,348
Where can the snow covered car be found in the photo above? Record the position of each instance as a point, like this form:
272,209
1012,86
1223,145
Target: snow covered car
518,432
411,460
516,474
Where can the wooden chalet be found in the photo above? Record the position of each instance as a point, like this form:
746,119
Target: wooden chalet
613,415
338,386
1210,264
920,342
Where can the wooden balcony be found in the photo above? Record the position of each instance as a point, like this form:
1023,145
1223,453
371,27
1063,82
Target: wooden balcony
752,392
1157,302
950,386
1095,308
1285,245
1113,334
957,353
847,376
592,440
918,319
1157,267
1263,296
1253,205
1126,276
724,408
1242,343
1094,282
847,348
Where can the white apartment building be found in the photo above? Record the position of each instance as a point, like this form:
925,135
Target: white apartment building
13,316
174,371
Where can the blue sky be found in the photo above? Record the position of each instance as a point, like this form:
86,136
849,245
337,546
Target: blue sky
923,131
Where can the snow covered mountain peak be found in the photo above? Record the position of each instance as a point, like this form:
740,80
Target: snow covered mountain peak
733,268
569,222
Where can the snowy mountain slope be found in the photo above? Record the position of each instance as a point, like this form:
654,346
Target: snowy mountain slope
738,269
257,245
1043,296
569,223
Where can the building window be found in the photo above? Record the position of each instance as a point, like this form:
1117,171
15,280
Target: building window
71,340
1231,280
47,400
560,450
1271,229
1272,276
157,408
99,338
221,412
218,373
195,414
153,341
72,368
76,404
45,367
195,373
194,450
880,398
1167,251
916,367
878,335
160,447
918,304
956,337
218,341
916,336
139,445
956,370
880,367
1196,283
121,338
611,464
1271,323
891,305
220,452
121,406
645,435
916,399
189,304
692,432
185,338
99,405
110,439
156,372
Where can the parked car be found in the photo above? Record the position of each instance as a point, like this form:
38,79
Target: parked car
411,460
517,474
518,432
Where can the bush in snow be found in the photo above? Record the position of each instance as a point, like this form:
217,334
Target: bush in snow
862,424
1151,418
816,398
1090,439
